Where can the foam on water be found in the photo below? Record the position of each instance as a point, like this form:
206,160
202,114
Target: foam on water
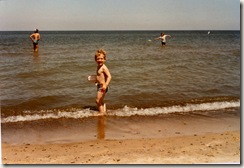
123,112
126,111
56,77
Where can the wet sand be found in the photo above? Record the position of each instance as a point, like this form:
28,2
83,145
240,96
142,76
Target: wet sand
209,148
174,139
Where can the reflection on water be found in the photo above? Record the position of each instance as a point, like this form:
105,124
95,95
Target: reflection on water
35,54
36,59
101,123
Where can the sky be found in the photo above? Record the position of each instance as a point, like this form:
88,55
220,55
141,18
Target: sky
119,15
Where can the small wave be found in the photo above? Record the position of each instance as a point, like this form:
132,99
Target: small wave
127,111
123,112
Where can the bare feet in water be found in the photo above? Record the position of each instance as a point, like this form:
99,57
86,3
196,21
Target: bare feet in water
100,114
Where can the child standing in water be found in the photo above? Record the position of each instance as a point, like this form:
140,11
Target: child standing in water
103,80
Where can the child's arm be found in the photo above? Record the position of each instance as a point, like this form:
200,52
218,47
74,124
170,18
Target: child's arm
109,77
157,38
168,36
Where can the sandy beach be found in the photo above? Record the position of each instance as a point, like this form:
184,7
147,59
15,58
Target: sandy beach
208,148
175,139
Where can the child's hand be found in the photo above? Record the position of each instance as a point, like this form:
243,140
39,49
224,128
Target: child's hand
104,87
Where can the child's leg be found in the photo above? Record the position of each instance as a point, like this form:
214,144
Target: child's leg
99,101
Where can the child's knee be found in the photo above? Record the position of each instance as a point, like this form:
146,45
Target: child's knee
98,101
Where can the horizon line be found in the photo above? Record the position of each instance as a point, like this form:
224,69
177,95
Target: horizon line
136,30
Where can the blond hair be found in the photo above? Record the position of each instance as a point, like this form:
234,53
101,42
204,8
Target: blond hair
100,52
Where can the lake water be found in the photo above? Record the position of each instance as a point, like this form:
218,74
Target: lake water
195,71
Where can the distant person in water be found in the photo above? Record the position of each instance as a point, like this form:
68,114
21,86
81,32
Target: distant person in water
35,37
103,79
163,38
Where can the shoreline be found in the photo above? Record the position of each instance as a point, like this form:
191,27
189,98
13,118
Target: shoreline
169,139
220,148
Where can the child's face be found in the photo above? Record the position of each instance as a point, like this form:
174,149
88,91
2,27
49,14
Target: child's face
100,60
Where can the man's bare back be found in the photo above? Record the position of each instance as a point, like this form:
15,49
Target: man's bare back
35,37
